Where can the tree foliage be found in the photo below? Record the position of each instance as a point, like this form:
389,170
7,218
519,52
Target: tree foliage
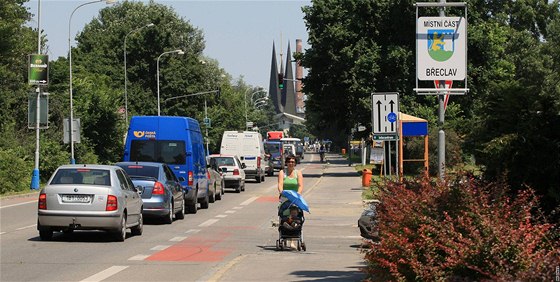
509,120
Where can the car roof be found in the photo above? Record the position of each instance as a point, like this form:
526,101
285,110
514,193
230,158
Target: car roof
92,166
141,163
222,156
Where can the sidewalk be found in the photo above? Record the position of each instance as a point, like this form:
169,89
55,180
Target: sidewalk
330,232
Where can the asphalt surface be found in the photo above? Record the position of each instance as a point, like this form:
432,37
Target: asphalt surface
233,240
330,232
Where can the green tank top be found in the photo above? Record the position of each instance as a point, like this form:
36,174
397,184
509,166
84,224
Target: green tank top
291,183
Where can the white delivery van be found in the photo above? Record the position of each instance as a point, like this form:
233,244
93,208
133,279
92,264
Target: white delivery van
249,147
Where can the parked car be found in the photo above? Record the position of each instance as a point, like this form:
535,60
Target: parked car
88,197
216,179
160,189
178,142
232,170
368,223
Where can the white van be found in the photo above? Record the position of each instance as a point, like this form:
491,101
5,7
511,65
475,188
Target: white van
249,147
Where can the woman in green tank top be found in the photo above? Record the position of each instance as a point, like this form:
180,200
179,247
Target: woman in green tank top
290,178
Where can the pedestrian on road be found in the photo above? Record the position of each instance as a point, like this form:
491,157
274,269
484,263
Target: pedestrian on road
290,178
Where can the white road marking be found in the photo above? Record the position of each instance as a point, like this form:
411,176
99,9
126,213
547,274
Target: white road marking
231,211
221,215
192,231
208,222
25,227
106,273
160,247
139,257
250,200
2,233
237,208
218,275
24,203
178,239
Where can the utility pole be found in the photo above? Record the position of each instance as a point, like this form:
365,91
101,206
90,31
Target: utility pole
35,179
441,118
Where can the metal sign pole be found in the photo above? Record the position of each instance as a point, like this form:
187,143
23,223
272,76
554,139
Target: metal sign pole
35,179
441,118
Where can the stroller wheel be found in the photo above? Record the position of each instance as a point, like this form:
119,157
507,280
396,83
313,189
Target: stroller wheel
299,245
303,246
277,245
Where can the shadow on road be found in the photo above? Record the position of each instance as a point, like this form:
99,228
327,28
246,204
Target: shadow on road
327,275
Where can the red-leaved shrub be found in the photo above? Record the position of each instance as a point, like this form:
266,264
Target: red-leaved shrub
460,230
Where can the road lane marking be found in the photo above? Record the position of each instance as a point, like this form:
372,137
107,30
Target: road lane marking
139,257
230,211
24,203
178,239
208,222
2,233
237,208
160,247
25,227
192,231
105,273
250,200
222,215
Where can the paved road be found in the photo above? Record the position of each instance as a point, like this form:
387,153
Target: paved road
233,240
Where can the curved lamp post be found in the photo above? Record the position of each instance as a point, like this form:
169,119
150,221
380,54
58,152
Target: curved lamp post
125,76
71,127
178,51
260,90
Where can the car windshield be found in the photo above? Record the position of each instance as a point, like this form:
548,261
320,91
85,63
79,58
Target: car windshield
82,176
225,161
161,151
141,170
272,148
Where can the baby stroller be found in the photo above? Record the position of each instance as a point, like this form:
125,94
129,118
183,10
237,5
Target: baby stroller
289,230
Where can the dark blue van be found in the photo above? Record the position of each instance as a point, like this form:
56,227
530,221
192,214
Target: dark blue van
178,142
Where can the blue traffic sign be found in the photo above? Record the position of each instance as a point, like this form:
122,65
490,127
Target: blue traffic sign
392,117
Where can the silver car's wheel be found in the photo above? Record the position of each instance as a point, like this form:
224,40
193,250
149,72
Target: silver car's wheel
120,235
45,233
212,197
138,229
168,219
181,213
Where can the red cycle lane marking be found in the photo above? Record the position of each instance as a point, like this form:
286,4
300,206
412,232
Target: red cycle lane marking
195,249
266,199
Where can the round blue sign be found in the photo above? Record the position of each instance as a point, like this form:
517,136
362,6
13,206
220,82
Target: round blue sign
392,117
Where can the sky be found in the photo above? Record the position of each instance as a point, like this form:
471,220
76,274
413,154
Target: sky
238,34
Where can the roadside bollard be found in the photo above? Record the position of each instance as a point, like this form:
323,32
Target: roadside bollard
366,177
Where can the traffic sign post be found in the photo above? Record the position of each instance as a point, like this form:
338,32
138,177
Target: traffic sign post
385,120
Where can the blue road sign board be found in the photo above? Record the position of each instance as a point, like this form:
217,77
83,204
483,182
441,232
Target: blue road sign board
392,117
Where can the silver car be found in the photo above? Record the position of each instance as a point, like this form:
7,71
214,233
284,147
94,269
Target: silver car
89,197
232,171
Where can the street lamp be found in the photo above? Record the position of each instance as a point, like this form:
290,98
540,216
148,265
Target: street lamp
178,51
71,127
260,90
125,77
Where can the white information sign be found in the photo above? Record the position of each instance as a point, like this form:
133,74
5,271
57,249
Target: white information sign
441,48
385,109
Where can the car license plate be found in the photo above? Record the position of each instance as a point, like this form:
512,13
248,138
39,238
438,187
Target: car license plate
76,198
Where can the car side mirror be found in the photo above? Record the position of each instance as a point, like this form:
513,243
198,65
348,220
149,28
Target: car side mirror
181,179
138,189
243,165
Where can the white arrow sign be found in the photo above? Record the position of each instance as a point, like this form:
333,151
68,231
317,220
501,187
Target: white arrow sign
385,109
